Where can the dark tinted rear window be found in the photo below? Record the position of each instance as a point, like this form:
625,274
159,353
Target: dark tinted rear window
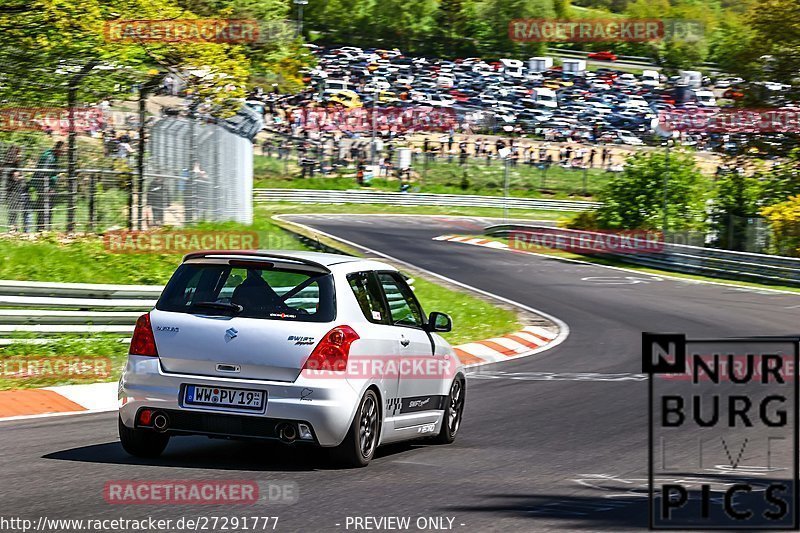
268,293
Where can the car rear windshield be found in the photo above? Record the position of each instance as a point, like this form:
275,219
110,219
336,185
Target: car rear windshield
250,291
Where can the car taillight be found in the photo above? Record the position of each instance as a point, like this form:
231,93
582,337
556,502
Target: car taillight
333,350
143,341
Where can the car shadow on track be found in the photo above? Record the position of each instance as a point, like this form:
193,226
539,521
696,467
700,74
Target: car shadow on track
220,454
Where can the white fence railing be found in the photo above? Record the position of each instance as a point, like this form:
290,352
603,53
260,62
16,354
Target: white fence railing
314,196
712,262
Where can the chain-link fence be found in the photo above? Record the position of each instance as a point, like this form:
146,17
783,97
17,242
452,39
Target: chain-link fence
86,169
461,166
197,171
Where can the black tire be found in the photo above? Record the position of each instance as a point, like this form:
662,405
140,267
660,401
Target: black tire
452,413
359,445
142,442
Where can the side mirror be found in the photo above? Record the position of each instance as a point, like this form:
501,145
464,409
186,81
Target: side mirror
439,322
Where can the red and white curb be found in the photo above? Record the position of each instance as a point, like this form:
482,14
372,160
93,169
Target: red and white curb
54,401
529,341
472,240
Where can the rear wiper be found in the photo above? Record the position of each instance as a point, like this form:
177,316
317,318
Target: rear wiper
234,308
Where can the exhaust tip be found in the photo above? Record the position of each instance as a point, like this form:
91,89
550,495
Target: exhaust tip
160,422
287,432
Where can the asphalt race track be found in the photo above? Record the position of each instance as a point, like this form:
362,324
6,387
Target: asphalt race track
552,442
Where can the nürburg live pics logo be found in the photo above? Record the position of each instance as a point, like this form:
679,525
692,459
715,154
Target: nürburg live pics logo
723,442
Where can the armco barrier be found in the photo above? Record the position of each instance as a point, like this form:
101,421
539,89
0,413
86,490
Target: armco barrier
47,309
712,262
314,196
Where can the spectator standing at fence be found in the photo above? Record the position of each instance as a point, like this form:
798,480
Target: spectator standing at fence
158,200
17,200
462,153
604,157
592,155
360,166
43,184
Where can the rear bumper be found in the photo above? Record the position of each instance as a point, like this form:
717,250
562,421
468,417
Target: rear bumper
326,405
186,422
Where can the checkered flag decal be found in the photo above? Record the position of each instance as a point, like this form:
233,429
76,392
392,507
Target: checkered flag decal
393,406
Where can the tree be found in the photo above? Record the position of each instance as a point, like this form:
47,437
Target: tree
634,199
46,43
781,180
737,201
777,26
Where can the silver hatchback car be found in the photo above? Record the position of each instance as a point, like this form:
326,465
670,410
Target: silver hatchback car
302,347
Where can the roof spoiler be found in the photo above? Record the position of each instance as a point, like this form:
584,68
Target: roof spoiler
251,254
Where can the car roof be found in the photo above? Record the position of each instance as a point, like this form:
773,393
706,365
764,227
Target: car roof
348,262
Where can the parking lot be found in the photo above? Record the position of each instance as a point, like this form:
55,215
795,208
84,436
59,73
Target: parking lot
554,99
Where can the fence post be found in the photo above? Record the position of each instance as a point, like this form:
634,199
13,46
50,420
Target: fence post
72,154
131,207
92,186
189,203
144,91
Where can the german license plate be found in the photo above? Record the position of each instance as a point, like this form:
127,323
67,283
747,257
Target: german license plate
224,397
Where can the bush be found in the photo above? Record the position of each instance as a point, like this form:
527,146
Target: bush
784,221
583,220
634,199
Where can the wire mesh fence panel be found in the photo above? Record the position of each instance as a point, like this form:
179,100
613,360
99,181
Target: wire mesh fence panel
440,166
198,171
191,169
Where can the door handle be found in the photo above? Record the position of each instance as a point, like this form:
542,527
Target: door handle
404,342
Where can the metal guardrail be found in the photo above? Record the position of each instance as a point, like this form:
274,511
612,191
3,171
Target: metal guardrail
712,262
315,196
76,307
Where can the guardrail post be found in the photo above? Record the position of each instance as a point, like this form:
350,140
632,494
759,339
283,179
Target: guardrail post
72,154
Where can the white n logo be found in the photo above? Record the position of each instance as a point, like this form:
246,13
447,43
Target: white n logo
658,356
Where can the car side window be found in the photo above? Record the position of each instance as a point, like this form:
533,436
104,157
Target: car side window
367,292
403,306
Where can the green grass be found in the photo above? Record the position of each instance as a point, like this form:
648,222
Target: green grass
268,210
524,180
103,356
444,177
51,257
473,318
